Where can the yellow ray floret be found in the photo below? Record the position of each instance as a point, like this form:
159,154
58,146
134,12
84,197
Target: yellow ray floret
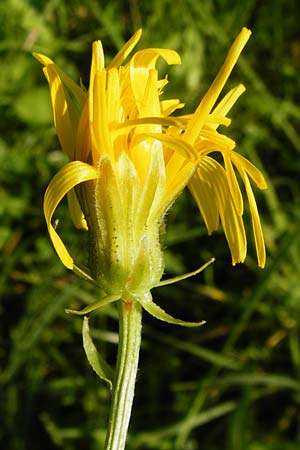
67,178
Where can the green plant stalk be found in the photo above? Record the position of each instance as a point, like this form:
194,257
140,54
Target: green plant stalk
130,318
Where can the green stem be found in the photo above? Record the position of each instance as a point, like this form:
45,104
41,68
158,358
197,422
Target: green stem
130,315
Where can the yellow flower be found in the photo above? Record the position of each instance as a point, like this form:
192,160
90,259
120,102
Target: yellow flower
130,159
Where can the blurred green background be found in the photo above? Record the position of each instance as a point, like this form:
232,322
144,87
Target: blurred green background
233,384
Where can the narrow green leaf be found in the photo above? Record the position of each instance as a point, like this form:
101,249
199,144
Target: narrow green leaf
156,311
185,276
104,301
83,273
100,366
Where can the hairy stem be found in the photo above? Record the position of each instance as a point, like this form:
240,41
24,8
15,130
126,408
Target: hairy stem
130,315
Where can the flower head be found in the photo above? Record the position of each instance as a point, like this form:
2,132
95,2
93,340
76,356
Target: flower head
130,158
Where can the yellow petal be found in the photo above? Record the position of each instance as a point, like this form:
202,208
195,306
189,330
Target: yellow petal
208,101
44,60
64,113
169,106
211,190
150,105
67,178
76,213
256,175
141,153
113,97
227,102
257,230
146,59
126,49
97,61
233,184
214,120
202,190
177,145
98,110
97,67
162,121
83,138
178,177
140,65
221,142
76,90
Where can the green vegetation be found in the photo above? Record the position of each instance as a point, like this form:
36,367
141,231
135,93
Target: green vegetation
233,384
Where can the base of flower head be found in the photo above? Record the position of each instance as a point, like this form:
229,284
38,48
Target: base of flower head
145,300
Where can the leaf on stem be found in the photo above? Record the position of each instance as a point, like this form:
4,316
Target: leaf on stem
104,301
99,365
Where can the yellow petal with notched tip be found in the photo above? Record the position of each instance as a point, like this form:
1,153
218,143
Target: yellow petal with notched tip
67,178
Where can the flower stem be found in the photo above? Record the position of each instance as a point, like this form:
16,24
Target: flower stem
130,315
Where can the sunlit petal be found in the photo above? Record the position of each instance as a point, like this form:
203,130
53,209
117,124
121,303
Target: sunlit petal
64,113
257,229
233,184
212,193
76,213
169,106
77,91
208,101
140,65
126,49
252,171
67,178
227,102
